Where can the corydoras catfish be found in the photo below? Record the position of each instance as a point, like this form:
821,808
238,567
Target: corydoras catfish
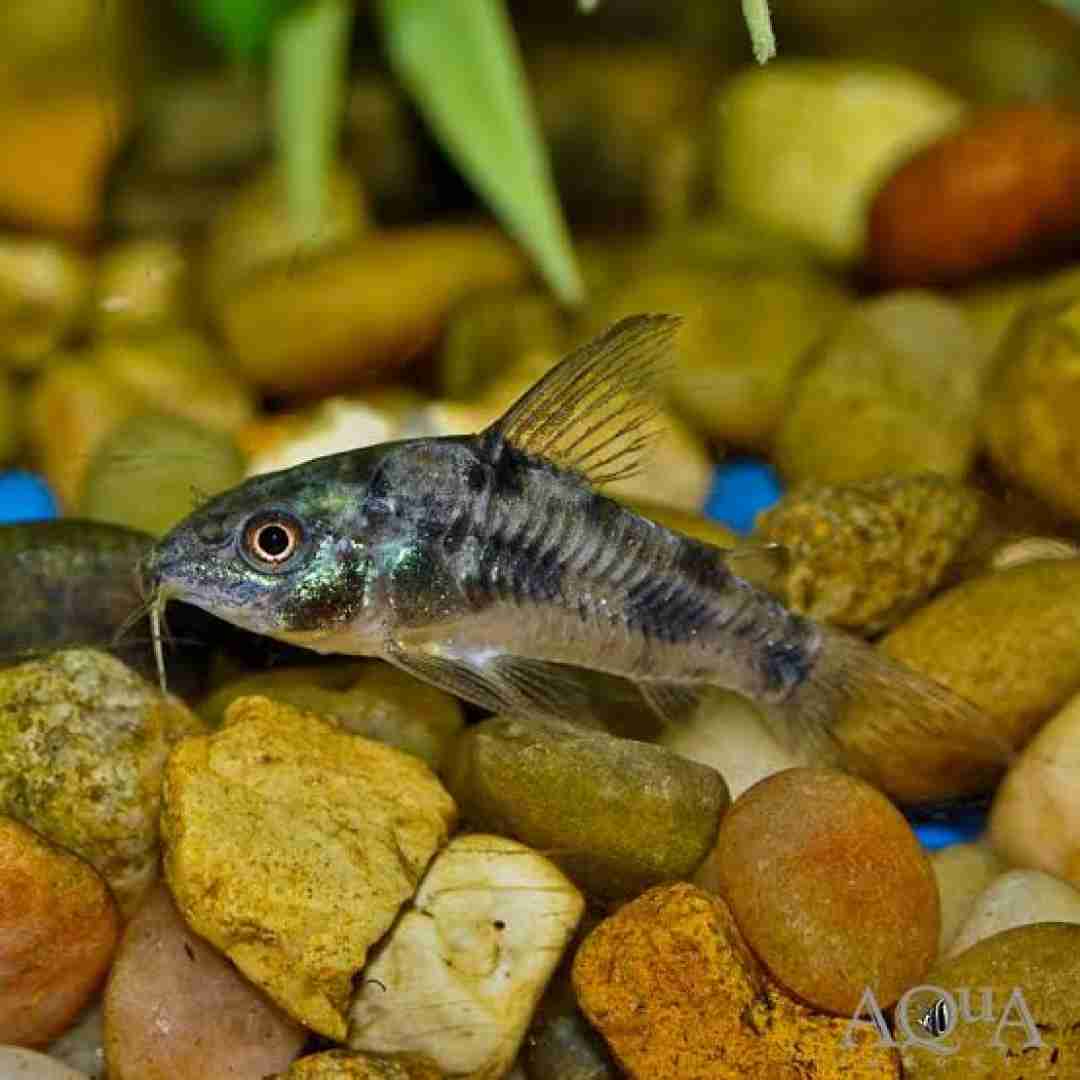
486,564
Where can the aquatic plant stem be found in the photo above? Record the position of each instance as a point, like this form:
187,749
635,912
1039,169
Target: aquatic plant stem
759,23
308,56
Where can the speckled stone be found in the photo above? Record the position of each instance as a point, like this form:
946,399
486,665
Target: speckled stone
349,1065
83,743
331,833
1042,962
674,989
863,555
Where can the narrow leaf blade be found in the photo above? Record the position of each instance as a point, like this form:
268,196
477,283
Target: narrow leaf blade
308,60
460,63
242,27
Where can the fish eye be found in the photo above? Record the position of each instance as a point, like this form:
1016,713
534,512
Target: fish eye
270,540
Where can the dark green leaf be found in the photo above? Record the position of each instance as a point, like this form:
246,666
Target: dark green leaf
242,27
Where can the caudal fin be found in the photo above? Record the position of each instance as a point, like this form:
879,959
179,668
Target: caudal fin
862,711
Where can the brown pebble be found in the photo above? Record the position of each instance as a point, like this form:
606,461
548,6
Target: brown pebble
353,316
817,864
58,929
979,198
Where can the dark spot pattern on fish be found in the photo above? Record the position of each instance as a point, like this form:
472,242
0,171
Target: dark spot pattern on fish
702,564
667,609
378,487
508,467
456,533
601,512
476,477
536,575
784,665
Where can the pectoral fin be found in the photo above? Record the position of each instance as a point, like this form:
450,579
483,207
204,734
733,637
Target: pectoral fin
500,683
671,702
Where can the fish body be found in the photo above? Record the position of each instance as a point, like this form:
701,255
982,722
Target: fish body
491,565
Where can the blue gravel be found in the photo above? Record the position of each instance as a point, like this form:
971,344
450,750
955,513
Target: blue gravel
24,496
741,489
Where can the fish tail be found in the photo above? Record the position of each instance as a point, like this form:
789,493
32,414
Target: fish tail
857,709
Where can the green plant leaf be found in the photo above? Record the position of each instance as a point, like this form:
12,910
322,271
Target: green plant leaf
308,58
459,61
759,23
241,26
1071,6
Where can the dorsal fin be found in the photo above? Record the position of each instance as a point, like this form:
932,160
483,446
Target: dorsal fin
591,413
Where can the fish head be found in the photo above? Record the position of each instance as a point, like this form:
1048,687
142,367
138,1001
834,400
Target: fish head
284,554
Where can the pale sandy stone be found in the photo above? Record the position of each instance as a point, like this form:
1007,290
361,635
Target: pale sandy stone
804,145
1035,819
727,732
963,871
1017,898
19,1064
461,973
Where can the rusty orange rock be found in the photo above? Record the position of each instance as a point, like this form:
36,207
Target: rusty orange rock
979,198
830,888
673,988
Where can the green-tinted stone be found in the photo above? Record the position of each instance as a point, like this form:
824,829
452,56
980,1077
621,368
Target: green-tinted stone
366,697
747,328
615,814
149,472
894,389
83,743
492,332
